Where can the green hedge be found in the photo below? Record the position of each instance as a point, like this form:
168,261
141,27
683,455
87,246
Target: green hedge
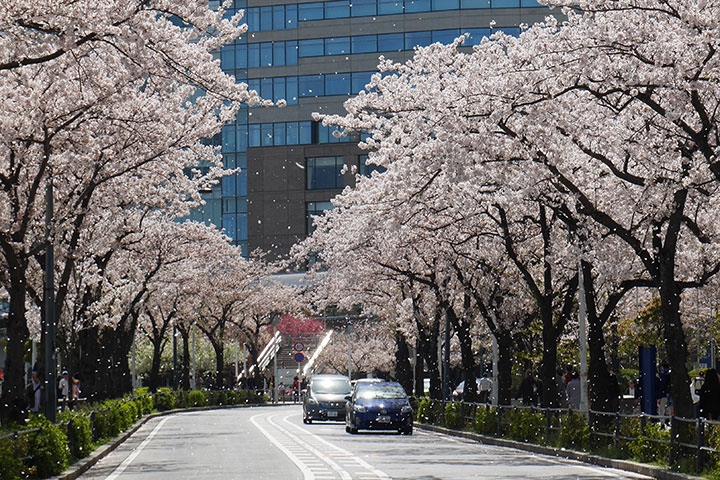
526,425
485,421
49,450
453,415
652,447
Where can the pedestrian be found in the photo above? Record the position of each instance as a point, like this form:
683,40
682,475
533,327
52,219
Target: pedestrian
74,396
573,391
527,389
34,392
64,389
613,393
710,395
296,389
663,389
560,389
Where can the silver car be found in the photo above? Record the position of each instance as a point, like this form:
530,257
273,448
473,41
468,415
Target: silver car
324,398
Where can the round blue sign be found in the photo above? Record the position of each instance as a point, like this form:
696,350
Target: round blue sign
299,357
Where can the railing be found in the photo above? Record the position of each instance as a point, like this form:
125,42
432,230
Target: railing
653,438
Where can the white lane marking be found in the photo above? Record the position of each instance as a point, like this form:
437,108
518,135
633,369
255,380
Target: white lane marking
307,474
121,468
357,459
344,474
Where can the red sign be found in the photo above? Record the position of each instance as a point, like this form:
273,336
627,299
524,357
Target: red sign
298,346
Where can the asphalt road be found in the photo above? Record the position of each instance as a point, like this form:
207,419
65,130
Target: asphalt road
273,443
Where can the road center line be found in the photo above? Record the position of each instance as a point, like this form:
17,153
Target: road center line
121,468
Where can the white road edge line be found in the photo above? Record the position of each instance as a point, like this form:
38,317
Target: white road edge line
359,460
307,474
121,468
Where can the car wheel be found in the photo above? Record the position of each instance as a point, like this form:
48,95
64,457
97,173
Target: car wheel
347,429
352,430
407,430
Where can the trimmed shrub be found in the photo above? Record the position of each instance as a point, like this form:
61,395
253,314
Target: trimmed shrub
164,400
526,425
647,449
196,398
453,416
574,431
80,436
485,421
49,452
12,467
425,412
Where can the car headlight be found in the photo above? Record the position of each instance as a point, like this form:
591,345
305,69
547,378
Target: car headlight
360,408
406,409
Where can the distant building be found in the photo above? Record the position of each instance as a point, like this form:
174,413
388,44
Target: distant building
314,55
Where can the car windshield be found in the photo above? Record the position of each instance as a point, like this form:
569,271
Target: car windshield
338,386
380,391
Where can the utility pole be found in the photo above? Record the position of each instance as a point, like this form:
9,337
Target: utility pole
582,320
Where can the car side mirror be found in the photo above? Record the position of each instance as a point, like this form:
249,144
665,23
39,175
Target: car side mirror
348,398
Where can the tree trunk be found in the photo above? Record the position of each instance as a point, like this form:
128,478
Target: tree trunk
219,365
419,370
154,382
403,369
13,390
462,329
185,378
505,358
549,354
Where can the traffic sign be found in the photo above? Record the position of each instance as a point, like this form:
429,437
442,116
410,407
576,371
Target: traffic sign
299,357
298,346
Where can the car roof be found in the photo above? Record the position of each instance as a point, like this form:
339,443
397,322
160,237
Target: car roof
329,376
383,384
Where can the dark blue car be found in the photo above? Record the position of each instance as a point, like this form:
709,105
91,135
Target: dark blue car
379,406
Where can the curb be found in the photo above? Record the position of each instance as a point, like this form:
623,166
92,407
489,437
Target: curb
628,466
84,464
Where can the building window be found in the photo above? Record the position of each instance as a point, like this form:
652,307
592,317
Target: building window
339,9
324,172
315,209
366,170
310,11
363,8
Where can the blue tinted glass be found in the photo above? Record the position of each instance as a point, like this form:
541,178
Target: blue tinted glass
241,56
279,137
390,42
417,39
242,227
278,17
228,186
242,205
291,15
474,3
292,133
227,57
242,182
242,139
254,134
310,11
291,53
266,59
324,172
388,7
337,46
305,136
278,88
530,3
445,5
476,36
228,136
364,43
512,31
253,19
359,80
266,18
362,8
337,84
291,90
229,224
266,137
278,53
254,55
254,84
322,134
266,88
311,86
340,9
311,48
417,6
505,3
445,36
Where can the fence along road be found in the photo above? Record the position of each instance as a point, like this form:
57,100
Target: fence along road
272,443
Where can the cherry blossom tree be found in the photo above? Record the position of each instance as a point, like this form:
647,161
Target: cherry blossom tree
112,101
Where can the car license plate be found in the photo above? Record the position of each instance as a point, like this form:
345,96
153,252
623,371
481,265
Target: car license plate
383,419
332,414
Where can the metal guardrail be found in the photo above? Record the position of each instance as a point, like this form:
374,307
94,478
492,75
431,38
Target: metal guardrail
615,428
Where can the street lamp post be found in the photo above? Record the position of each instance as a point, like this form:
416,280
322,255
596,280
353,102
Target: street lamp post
50,358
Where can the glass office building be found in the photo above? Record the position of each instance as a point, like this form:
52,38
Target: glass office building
314,55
